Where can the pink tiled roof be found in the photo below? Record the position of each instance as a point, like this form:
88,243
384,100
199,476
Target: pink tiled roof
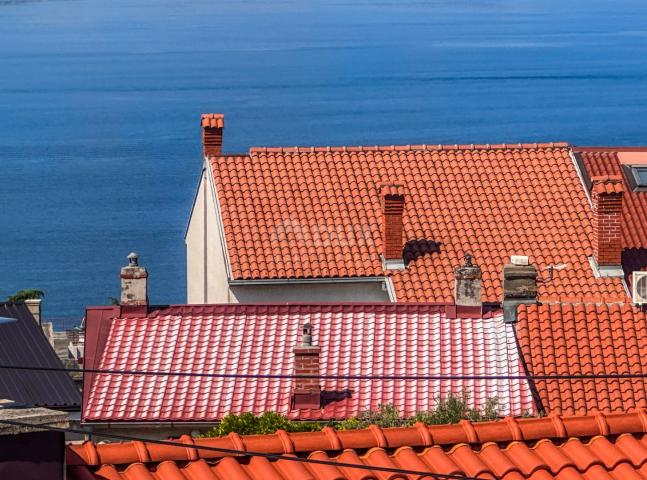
382,339
316,212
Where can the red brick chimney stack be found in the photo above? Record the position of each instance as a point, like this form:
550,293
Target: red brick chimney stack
307,391
212,127
607,193
393,227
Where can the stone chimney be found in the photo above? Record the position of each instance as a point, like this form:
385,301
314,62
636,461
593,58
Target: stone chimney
392,225
467,288
606,195
134,283
212,127
519,286
35,307
307,391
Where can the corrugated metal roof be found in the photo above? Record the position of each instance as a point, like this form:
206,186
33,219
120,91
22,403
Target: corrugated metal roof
23,343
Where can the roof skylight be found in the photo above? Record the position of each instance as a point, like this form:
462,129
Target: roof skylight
640,174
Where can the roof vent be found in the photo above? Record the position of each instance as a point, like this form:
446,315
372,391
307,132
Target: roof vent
639,288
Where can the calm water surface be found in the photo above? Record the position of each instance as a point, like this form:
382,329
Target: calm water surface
99,106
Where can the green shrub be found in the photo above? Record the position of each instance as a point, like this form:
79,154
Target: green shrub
454,408
385,416
269,422
451,409
22,295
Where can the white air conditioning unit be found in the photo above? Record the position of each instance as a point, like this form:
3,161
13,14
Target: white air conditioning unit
639,287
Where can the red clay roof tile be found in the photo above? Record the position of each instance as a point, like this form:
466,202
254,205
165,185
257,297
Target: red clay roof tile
258,339
213,120
588,447
318,212
575,339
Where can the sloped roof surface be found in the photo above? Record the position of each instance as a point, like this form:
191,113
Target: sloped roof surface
22,343
382,339
605,161
585,339
565,448
316,212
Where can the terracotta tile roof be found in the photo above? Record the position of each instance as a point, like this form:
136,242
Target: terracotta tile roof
214,120
316,212
604,161
593,447
377,339
572,339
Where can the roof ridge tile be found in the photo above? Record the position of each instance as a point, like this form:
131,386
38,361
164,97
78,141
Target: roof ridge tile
467,432
406,148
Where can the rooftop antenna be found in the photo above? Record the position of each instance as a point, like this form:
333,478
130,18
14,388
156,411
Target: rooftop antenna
551,271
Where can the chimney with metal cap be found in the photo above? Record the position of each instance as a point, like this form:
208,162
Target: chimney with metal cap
467,288
307,391
519,286
212,126
134,283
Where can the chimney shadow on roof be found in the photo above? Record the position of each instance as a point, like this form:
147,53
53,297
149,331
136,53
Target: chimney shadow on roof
633,259
330,396
414,249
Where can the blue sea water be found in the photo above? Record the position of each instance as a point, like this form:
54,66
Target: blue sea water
100,105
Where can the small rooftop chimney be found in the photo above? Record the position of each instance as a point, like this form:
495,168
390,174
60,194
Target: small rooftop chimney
34,305
606,195
393,226
212,127
307,391
519,286
134,283
467,288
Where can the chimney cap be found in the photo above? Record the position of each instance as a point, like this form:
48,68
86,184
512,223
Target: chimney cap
522,260
213,120
133,259
306,337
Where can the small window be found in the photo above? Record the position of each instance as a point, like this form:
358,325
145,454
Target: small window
640,173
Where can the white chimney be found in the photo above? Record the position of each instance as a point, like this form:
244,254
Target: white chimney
134,283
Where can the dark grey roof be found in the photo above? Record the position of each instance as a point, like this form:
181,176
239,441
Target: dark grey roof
23,343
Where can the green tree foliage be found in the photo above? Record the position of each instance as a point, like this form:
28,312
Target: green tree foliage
28,294
269,422
451,409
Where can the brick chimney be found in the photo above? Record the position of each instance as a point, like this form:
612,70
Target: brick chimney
393,226
519,286
212,127
307,391
467,288
134,283
606,195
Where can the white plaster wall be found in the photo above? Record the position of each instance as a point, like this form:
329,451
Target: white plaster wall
311,292
205,253
194,240
217,276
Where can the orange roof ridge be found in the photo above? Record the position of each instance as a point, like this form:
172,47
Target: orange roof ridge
507,430
408,148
